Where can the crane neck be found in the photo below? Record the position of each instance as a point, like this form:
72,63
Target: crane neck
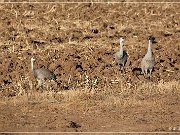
121,47
149,51
32,65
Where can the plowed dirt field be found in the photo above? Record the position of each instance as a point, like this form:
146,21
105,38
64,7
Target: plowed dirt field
77,41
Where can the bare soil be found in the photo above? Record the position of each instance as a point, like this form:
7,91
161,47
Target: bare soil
78,42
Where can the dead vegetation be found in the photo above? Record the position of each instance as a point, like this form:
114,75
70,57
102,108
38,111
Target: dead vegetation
77,42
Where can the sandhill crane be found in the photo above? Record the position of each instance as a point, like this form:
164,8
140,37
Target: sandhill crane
121,56
41,74
148,61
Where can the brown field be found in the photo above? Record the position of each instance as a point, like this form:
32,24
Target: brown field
77,42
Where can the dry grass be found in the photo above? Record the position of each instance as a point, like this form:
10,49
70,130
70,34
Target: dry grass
63,36
126,96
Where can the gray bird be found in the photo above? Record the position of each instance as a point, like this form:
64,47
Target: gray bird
148,62
121,56
41,74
